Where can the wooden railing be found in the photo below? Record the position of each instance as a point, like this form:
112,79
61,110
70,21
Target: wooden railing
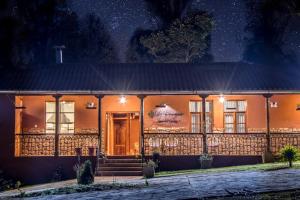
87,142
44,144
34,144
173,143
165,143
279,140
236,143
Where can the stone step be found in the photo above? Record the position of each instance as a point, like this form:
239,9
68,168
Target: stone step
123,161
119,168
121,165
119,173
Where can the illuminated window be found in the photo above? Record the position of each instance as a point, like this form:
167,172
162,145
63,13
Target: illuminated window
196,116
235,116
50,117
67,117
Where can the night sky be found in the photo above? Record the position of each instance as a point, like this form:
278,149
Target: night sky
123,17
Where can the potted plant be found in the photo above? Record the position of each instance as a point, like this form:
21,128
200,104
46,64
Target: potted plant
289,153
149,169
205,161
155,158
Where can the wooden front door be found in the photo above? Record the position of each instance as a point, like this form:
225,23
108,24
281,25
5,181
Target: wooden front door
120,134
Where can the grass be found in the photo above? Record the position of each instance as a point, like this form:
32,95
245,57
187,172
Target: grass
264,167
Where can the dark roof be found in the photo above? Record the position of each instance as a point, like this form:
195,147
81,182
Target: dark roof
152,78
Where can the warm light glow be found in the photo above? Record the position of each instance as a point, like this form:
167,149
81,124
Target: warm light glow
123,100
221,99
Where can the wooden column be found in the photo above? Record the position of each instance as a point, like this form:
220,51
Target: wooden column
205,149
57,127
142,97
267,98
100,97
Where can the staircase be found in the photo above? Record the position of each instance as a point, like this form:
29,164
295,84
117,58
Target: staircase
119,166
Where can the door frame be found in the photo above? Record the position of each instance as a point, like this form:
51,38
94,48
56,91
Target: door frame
107,132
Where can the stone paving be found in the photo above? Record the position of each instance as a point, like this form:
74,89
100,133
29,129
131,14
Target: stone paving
198,186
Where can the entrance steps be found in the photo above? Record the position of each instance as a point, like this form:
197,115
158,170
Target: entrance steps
119,166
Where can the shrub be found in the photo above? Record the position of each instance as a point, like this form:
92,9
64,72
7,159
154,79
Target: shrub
5,182
289,153
84,173
155,158
149,169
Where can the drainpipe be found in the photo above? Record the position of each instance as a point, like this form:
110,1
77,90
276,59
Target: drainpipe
100,97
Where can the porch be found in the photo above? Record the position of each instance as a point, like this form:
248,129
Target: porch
235,125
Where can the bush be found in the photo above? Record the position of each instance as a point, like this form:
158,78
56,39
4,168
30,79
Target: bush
155,158
84,173
289,153
149,169
5,182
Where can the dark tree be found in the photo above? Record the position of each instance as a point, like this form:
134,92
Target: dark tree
266,28
96,44
184,41
136,52
168,10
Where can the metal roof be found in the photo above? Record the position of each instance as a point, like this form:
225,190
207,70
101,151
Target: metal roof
152,78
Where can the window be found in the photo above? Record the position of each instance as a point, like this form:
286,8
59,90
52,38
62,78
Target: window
196,116
67,117
50,117
235,116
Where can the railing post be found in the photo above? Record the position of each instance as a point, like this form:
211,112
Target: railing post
268,137
142,97
203,97
57,127
99,97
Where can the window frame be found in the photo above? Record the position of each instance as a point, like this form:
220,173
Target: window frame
69,101
235,113
210,114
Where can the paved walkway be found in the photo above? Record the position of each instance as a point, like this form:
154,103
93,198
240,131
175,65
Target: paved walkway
198,185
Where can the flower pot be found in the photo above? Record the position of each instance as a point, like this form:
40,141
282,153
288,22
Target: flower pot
206,164
148,172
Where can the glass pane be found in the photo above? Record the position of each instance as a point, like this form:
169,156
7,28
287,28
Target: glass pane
230,106
67,106
66,118
240,118
229,128
208,123
50,128
195,123
195,106
228,118
241,128
50,118
242,106
208,106
50,107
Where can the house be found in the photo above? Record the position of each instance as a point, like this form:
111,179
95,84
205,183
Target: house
234,111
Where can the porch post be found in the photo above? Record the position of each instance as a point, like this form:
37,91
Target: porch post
203,97
142,97
57,120
267,98
99,97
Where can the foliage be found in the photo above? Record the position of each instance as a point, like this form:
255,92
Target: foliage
267,23
289,153
84,173
34,27
183,42
96,44
149,169
5,183
150,163
168,10
205,161
136,52
156,159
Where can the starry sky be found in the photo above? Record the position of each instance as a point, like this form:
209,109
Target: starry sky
123,17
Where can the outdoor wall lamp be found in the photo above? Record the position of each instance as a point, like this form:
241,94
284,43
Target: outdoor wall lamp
122,100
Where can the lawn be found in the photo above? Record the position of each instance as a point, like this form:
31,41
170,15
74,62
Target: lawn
266,166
